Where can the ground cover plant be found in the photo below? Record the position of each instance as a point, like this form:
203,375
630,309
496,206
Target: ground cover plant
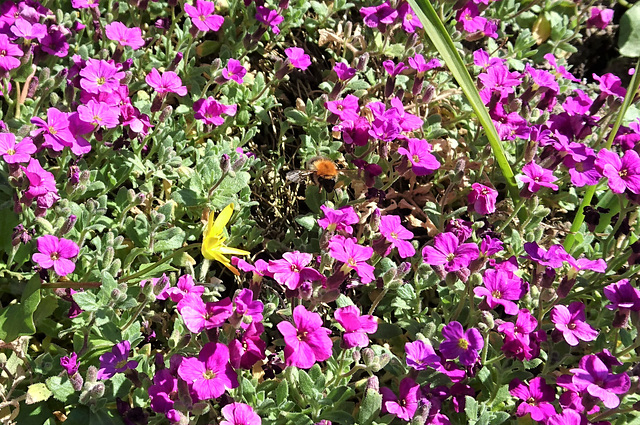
319,212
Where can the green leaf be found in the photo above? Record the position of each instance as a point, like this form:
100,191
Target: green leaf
37,393
17,319
169,240
60,387
471,408
370,407
296,117
306,384
282,392
86,301
441,40
629,39
338,416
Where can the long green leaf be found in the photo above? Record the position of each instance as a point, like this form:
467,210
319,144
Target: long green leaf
440,38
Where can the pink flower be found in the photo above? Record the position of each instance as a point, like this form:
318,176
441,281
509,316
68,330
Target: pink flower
56,252
356,326
353,256
338,220
246,350
418,152
55,130
483,198
571,322
168,82
210,374
269,17
450,253
234,71
420,355
210,111
27,30
307,342
198,316
239,414
502,288
406,404
623,173
292,270
537,177
116,361
132,37
460,343
600,18
100,76
247,310
99,114
9,54
184,286
297,58
42,184
536,398
203,16
345,109
13,152
397,235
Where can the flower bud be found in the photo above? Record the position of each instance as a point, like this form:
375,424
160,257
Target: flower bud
166,113
54,98
92,375
429,92
362,61
368,356
97,390
109,254
115,267
68,224
225,164
60,77
44,75
33,87
76,381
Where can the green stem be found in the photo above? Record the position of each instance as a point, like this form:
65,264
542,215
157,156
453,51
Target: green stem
136,314
158,263
511,216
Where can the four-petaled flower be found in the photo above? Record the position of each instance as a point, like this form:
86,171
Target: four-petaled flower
462,344
307,342
56,252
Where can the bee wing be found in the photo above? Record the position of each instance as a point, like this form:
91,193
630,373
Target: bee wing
296,176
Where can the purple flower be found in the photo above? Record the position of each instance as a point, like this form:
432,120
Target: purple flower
418,152
132,37
70,363
248,349
622,173
483,198
100,76
356,326
450,253
292,270
347,108
499,79
571,322
405,404
9,54
599,18
536,398
210,374
418,63
247,310
406,121
344,71
610,85
338,220
354,257
502,288
460,343
594,377
198,316
307,342
566,417
378,16
116,361
398,236
234,71
168,82
297,58
14,153
210,110
410,22
392,69
239,414
623,296
420,355
269,17
521,339
537,177
470,19
203,16
99,114
184,286
56,252
27,30
55,130
164,390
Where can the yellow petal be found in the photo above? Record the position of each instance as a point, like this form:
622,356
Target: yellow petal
233,251
222,220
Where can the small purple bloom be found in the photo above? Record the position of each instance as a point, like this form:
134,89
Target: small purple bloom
483,198
338,220
420,355
623,173
460,343
537,177
168,82
418,152
132,37
354,257
346,109
56,253
9,54
198,315
307,342
571,322
397,235
599,18
210,374
594,377
356,326
239,414
70,363
269,17
623,296
99,76
405,404
344,71
14,153
292,270
393,69
537,398
297,58
502,288
566,417
99,114
247,310
116,361
210,111
234,71
450,253
203,16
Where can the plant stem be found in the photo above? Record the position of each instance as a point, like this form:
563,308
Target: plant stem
158,263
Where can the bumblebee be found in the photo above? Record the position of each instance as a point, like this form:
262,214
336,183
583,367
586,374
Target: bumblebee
322,170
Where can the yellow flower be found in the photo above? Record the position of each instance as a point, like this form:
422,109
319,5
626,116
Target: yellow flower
213,247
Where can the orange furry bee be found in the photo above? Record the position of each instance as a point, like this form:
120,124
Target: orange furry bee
322,170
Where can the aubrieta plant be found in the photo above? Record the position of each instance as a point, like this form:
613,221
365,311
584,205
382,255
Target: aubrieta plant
314,213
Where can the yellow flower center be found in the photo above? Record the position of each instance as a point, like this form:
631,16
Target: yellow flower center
209,374
11,151
101,80
463,343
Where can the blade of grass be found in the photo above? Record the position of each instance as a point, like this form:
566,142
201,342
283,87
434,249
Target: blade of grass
439,37
591,190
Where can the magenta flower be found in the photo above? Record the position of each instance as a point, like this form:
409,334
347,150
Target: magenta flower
198,316
344,71
203,16
116,361
234,71
405,404
346,109
566,417
537,177
209,374
15,153
392,68
502,288
168,82
239,414
378,16
450,253
537,398
418,63
247,310
297,58
571,322
307,342
269,17
292,270
397,235
522,341
420,355
410,22
55,130
594,377
354,257
9,54
132,37
164,391
100,76
56,252
482,198
599,18
248,349
99,114
462,344
418,152
210,111
623,173
70,363
42,185
338,220
27,30
470,18
184,286
623,296
610,85
356,326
